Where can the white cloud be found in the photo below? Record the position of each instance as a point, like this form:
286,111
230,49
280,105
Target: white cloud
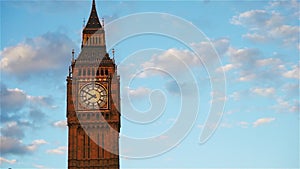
243,55
268,25
4,160
244,59
262,121
60,124
139,92
263,91
291,4
252,67
172,59
286,106
207,49
227,67
243,124
35,144
294,73
169,62
255,37
36,55
59,150
275,19
268,61
257,19
287,33
41,100
247,77
221,45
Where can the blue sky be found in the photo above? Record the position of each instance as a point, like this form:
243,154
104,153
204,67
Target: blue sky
258,50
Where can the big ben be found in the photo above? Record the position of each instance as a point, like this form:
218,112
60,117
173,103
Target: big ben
93,102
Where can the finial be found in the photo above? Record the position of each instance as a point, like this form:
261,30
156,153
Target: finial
113,52
83,23
70,71
103,22
73,52
94,4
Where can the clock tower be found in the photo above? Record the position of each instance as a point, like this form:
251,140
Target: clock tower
93,102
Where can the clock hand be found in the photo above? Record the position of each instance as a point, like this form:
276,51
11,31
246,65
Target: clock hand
87,93
92,96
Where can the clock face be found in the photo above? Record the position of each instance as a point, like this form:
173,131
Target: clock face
93,96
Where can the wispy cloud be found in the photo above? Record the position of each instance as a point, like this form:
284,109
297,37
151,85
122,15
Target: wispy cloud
140,92
263,91
60,124
270,25
58,150
262,121
4,160
173,58
293,73
227,67
287,106
268,61
35,144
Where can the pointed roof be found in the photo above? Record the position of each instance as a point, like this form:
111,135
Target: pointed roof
93,21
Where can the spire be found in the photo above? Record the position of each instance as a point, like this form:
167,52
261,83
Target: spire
93,33
93,21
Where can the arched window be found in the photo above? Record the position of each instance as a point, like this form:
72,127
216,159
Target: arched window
89,147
